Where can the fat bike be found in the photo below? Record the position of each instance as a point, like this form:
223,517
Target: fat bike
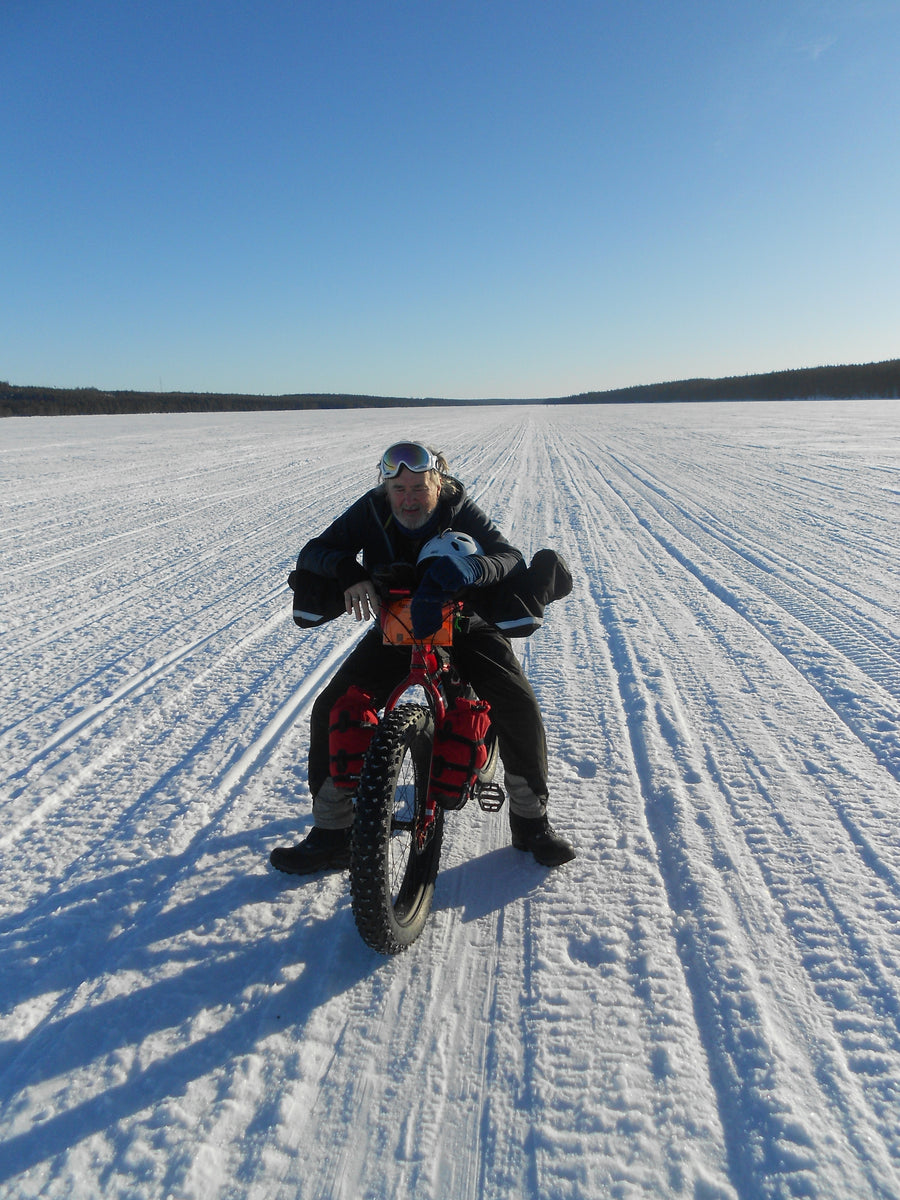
424,758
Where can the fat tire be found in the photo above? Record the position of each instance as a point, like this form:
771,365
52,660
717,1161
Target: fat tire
391,882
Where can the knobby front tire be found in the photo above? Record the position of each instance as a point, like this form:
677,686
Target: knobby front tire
391,882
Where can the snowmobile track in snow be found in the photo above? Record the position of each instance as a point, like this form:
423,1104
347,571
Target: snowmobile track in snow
704,1005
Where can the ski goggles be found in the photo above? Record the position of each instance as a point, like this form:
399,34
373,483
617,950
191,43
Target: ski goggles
406,454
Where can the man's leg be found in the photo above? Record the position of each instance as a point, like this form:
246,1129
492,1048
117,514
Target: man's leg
489,663
372,666
377,669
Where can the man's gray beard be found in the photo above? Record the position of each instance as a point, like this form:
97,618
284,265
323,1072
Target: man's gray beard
420,521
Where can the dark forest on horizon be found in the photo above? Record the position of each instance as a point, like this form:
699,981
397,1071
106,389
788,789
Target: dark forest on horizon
866,381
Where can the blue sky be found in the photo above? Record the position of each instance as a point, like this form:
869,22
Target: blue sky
445,197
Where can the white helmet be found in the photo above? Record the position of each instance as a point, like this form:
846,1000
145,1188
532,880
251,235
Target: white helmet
449,544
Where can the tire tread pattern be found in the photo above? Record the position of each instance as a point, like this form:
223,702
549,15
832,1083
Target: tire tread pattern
407,730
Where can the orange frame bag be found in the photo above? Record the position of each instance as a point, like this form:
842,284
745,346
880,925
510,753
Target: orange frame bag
396,625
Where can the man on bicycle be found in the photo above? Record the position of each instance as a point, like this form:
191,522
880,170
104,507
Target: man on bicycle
416,499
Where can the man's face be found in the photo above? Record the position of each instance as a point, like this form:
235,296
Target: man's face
413,496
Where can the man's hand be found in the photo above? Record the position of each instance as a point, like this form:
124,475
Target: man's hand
451,575
440,583
427,612
361,600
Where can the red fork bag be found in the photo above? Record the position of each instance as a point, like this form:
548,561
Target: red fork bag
351,724
459,750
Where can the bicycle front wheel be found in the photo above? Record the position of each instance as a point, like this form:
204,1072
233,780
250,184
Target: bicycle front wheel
391,879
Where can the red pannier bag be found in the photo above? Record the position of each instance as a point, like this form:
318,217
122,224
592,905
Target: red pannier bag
351,724
459,751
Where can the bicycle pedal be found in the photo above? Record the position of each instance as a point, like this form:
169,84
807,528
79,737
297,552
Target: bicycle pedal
490,796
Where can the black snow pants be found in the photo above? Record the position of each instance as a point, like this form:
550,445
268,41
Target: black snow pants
485,659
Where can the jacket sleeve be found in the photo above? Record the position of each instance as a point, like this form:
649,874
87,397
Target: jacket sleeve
334,553
499,557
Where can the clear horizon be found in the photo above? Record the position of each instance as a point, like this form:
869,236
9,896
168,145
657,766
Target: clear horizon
466,201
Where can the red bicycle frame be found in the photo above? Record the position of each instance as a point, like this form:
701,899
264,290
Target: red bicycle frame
426,670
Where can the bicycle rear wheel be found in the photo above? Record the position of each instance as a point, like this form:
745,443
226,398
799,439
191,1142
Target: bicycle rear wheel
391,879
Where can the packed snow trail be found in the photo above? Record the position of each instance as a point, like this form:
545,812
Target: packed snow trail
704,1004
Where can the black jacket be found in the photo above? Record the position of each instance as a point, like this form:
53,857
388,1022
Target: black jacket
369,526
509,595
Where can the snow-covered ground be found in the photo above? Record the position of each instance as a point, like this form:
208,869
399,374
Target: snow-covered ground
705,1004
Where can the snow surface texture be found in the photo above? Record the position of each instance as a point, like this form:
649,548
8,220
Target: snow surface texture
705,1004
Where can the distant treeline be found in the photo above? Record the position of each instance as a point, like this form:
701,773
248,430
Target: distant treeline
51,402
864,381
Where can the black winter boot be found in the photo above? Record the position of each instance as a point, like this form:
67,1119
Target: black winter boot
537,835
320,850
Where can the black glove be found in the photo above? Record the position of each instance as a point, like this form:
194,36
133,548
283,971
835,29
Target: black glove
427,612
451,575
440,583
